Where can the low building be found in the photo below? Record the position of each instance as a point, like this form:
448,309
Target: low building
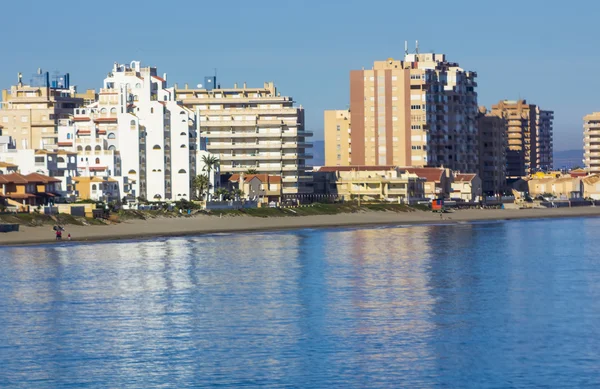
263,188
438,181
467,187
564,187
370,183
591,187
97,188
7,168
31,190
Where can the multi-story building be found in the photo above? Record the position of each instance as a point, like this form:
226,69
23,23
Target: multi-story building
529,137
253,130
138,133
30,113
417,112
492,151
591,142
338,142
544,140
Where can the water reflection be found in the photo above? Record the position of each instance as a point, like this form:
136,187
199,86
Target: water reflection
456,306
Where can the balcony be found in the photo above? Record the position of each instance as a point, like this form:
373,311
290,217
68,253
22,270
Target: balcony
227,123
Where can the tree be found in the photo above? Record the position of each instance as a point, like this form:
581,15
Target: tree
226,195
251,171
211,163
200,185
237,193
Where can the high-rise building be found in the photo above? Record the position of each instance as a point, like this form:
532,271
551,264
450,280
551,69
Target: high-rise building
253,130
138,133
492,151
30,113
338,146
591,142
418,112
529,137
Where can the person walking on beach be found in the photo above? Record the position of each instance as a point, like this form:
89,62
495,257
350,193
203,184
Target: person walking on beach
69,236
58,234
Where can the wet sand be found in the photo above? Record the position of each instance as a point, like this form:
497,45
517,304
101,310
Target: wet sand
202,224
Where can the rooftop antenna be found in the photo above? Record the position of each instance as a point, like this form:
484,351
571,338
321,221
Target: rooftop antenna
417,47
405,48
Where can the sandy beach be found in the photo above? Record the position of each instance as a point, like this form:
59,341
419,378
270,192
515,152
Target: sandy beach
203,224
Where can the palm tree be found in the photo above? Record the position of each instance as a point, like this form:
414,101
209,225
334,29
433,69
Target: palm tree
200,185
222,192
210,163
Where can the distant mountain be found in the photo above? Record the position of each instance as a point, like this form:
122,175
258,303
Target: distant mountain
318,152
568,159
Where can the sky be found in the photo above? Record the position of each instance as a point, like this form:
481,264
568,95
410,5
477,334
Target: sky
542,51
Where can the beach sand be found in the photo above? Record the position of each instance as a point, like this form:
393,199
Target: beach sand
202,224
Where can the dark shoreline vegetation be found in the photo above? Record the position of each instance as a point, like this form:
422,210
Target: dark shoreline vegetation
38,220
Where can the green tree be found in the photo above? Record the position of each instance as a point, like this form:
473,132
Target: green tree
251,171
222,192
211,163
200,186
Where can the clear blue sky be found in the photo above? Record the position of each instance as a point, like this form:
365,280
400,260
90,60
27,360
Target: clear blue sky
544,51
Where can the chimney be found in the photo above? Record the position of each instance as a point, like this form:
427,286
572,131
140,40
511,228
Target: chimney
244,84
241,183
186,85
235,86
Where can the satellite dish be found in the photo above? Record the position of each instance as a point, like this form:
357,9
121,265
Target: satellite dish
199,86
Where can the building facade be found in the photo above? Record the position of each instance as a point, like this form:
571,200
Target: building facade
417,112
252,130
492,152
338,142
29,114
529,135
137,133
591,142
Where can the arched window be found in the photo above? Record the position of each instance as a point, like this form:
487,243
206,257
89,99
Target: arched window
182,113
132,123
111,135
88,148
103,110
79,148
97,161
83,111
182,171
151,110
72,159
60,159
156,147
183,146
113,110
68,136
132,172
94,187
98,148
183,134
112,148
138,85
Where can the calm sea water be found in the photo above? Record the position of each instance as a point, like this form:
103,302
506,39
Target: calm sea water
500,305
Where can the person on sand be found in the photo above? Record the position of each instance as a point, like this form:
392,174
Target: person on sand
58,234
69,236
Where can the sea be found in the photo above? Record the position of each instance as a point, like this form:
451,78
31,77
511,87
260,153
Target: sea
513,304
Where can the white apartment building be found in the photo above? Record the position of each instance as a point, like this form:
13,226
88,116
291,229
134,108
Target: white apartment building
253,129
591,143
138,133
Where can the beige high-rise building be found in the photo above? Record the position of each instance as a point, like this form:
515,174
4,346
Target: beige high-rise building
417,112
338,146
492,151
30,113
530,145
591,142
253,129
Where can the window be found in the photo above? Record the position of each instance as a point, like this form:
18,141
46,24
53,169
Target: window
72,159
88,148
103,110
98,148
156,147
24,119
113,110
338,128
138,85
183,134
5,119
182,171
132,123
151,110
111,135
97,161
132,172
68,136
94,187
79,148
183,146
112,148
415,107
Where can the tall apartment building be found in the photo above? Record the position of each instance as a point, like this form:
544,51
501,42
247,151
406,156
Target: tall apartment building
138,133
253,129
529,137
591,142
337,138
30,113
492,151
418,112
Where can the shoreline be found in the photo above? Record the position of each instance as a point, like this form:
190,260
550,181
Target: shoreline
203,224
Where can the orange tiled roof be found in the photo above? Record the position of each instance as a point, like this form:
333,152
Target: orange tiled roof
37,178
356,168
261,177
464,177
431,174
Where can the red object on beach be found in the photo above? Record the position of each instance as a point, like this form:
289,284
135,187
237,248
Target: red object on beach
437,204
